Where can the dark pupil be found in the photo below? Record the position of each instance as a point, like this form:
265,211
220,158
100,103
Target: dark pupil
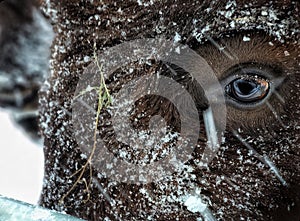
245,87
247,90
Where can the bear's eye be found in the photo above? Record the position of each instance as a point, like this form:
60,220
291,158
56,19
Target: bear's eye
248,86
248,89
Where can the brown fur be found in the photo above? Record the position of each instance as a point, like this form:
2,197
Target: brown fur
251,190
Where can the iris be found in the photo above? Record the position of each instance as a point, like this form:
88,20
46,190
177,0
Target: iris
248,89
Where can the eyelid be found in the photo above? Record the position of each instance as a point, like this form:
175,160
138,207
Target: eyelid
271,74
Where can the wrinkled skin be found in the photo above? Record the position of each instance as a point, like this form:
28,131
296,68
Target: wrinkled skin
236,185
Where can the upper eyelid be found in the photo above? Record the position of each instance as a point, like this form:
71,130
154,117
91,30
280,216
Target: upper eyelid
274,70
261,49
276,78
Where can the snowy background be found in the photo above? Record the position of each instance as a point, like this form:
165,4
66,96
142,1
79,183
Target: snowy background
21,163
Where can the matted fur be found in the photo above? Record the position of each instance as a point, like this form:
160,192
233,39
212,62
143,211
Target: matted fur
236,186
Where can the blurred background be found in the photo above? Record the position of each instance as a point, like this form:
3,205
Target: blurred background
21,162
25,39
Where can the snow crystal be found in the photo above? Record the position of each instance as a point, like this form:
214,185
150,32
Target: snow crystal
146,4
195,204
286,53
177,50
86,59
263,18
230,4
177,37
264,13
245,38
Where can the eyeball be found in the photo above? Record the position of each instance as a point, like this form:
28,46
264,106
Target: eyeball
249,85
248,89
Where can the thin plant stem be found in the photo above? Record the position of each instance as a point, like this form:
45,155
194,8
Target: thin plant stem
104,100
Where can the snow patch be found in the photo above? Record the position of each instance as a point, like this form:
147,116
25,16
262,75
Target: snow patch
195,204
246,38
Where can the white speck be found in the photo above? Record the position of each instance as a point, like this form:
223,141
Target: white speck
146,4
273,16
109,166
143,191
286,53
230,4
177,37
86,59
195,204
232,24
264,13
83,156
271,43
245,38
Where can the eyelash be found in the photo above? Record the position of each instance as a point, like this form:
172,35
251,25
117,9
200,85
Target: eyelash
248,86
